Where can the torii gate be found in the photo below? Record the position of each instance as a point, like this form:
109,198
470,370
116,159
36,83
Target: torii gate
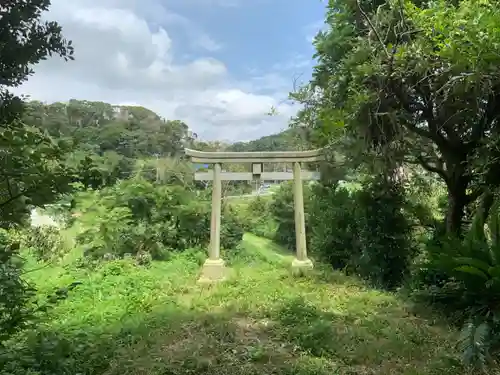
213,269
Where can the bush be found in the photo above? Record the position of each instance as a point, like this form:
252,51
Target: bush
15,294
334,226
385,235
255,216
232,231
461,277
282,210
46,242
137,216
193,225
364,231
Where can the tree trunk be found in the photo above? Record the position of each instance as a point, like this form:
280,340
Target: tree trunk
457,200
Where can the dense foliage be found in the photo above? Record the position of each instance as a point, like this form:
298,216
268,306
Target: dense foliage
15,294
136,217
400,84
101,127
282,210
103,142
461,278
288,140
366,232
419,82
32,171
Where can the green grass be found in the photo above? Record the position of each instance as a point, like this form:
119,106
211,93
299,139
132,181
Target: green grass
128,320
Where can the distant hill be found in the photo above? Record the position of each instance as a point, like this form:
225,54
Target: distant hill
131,131
288,140
137,132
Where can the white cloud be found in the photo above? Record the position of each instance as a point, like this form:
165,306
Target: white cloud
313,29
206,42
221,3
123,55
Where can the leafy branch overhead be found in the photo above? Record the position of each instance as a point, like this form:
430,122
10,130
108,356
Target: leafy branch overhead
30,160
413,82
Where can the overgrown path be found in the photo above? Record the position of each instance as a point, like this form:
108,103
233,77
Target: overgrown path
158,320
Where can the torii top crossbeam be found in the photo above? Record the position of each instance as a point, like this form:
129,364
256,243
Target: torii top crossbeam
254,156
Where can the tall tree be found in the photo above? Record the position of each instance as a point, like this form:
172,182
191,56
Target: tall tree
30,167
412,81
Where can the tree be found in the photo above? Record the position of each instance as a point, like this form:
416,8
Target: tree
412,81
30,169
98,127
288,140
30,160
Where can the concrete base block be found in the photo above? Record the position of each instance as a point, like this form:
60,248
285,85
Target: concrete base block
213,271
302,267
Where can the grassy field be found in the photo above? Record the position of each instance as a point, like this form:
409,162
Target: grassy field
127,320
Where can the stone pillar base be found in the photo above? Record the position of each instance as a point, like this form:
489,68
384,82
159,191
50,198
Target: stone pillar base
302,267
213,271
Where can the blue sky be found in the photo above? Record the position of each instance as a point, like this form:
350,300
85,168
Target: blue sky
258,35
218,65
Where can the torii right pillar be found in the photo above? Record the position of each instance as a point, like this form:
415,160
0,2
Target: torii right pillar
301,263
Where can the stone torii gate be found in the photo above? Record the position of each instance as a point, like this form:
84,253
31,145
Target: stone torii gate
213,269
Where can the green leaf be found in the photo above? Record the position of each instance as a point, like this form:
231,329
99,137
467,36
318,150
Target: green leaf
494,271
467,261
472,271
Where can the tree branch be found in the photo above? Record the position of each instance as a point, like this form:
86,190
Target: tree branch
17,196
373,28
431,168
490,114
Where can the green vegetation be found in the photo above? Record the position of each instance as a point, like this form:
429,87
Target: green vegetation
403,226
401,84
125,319
410,82
135,217
288,140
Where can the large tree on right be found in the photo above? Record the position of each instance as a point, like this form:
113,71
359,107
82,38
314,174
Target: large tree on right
412,81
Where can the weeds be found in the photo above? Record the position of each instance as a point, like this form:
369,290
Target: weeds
126,319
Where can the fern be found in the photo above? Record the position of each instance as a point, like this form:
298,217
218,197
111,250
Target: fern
470,290
474,344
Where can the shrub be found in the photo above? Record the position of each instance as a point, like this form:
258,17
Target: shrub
461,277
46,242
282,210
385,235
192,226
15,294
137,216
334,226
106,230
231,232
255,216
365,231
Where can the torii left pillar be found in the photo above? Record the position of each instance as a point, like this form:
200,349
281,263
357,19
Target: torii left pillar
214,268
301,263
